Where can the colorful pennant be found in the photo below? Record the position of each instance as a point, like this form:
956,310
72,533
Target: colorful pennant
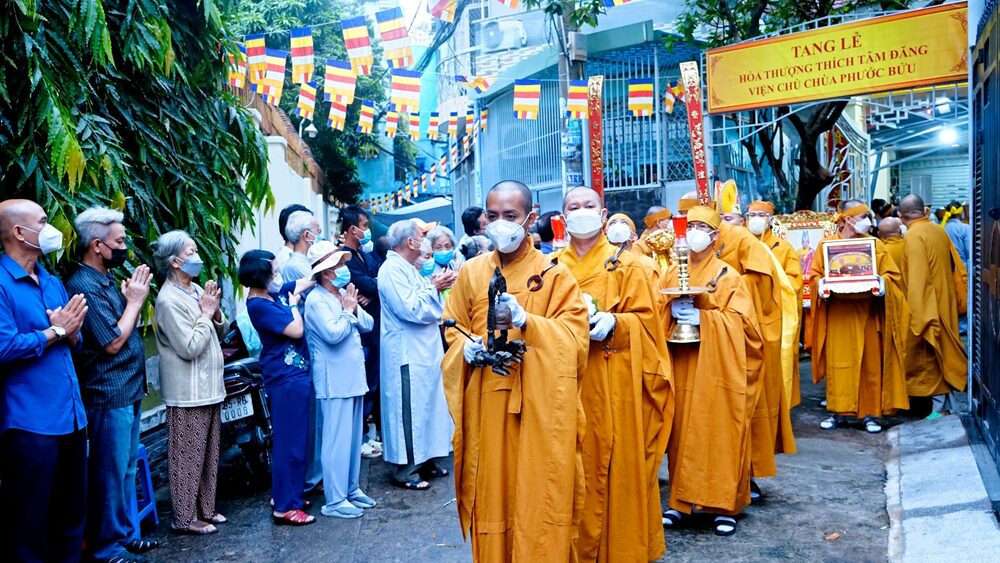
256,56
512,4
302,55
359,45
414,127
273,83
306,107
395,40
338,116
391,121
406,89
467,145
454,155
470,116
366,118
483,114
576,100
527,96
453,125
443,10
433,174
640,97
238,68
423,182
340,82
432,126
613,3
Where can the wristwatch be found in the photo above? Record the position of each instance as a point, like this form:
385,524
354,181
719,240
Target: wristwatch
60,332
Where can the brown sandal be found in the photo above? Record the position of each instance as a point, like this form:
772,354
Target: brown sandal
197,528
293,518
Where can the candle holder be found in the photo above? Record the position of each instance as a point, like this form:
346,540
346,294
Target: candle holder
682,333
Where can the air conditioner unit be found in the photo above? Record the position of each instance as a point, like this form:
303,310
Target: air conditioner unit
503,35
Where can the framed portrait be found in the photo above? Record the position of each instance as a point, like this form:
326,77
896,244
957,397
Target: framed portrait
804,230
849,266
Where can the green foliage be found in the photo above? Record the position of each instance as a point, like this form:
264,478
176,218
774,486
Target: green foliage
120,103
577,12
335,151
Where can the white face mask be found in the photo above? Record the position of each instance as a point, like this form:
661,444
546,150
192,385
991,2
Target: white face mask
506,235
50,239
368,247
698,240
618,233
862,226
274,286
902,230
584,223
757,225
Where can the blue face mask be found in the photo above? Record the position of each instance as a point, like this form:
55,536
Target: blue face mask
427,268
343,276
444,257
366,237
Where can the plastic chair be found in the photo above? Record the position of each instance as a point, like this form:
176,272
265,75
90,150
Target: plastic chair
143,503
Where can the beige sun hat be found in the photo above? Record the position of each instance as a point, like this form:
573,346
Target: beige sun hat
325,255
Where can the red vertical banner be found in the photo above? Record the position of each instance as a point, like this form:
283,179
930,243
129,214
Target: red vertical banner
594,89
696,130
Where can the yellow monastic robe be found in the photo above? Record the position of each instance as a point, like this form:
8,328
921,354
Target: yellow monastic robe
518,466
894,246
858,342
627,398
771,427
715,387
788,257
935,358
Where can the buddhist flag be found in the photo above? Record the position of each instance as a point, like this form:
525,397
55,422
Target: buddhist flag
340,82
640,97
366,118
481,84
453,125
678,91
483,114
527,95
432,126
512,4
391,121
306,107
238,68
467,145
359,46
395,41
443,10
414,126
454,155
338,116
613,3
576,100
406,89
256,56
415,187
433,173
302,55
444,163
470,116
273,82
423,182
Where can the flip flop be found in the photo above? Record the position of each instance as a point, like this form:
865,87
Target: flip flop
412,485
293,518
434,473
725,525
194,530
142,546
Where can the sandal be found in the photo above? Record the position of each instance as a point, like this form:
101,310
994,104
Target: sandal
755,493
671,518
197,528
124,557
141,546
413,485
434,473
834,421
872,426
725,525
217,519
293,518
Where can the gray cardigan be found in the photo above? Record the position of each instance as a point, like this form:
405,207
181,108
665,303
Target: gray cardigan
336,356
190,355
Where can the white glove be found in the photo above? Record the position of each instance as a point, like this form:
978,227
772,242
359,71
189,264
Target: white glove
824,292
603,324
680,305
471,348
880,291
518,316
691,317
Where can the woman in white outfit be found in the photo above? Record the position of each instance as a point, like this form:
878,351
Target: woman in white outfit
334,321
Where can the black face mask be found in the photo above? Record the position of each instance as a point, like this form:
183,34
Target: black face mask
118,256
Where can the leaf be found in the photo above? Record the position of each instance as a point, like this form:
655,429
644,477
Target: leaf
832,536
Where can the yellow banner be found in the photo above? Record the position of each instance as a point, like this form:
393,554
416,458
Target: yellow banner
895,52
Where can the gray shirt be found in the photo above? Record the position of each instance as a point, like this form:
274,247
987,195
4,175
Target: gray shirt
333,334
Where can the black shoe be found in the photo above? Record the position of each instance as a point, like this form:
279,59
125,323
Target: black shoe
755,493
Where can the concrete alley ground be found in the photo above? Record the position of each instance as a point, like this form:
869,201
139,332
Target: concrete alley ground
828,503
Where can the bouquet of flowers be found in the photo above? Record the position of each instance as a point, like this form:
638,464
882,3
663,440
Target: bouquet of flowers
591,305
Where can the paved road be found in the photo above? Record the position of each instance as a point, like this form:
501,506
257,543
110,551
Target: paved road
834,485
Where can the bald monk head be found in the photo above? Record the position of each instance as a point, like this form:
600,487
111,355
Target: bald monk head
733,218
890,228
509,201
686,202
854,218
580,206
21,221
657,217
911,208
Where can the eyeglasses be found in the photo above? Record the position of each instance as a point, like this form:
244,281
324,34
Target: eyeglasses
761,214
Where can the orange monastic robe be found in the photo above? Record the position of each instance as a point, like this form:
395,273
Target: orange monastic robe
935,358
627,398
858,342
518,467
788,257
894,246
715,388
772,422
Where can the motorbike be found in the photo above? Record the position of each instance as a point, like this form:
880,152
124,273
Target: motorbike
246,416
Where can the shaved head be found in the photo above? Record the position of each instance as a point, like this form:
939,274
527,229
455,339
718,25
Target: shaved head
654,209
582,195
16,212
852,203
507,187
889,228
911,207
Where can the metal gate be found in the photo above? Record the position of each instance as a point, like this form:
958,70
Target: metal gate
985,310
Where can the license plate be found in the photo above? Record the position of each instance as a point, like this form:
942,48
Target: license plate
236,408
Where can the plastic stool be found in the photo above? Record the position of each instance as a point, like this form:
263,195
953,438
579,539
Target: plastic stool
143,501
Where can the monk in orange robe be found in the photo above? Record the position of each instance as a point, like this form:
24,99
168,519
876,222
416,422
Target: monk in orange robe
859,339
616,235
715,382
625,389
657,217
890,230
518,466
759,221
935,358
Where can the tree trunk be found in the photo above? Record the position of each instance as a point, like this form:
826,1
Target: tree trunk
813,176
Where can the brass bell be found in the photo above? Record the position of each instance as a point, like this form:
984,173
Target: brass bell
684,334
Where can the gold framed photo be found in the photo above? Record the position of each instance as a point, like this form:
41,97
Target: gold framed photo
804,230
850,266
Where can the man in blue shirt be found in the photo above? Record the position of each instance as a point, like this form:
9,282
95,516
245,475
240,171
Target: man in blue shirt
111,367
960,234
43,440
